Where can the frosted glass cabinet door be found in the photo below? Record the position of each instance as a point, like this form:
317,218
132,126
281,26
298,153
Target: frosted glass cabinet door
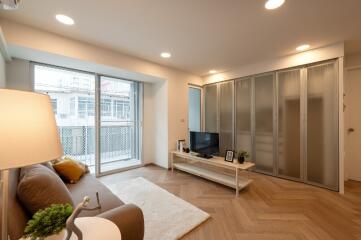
243,115
210,108
225,117
322,125
263,140
289,123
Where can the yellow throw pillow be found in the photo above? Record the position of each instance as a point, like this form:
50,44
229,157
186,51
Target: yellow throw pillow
69,169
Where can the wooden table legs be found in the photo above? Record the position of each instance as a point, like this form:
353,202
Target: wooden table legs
172,161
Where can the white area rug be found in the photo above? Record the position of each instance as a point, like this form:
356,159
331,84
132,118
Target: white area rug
166,217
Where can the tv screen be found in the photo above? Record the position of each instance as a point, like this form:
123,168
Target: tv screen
204,143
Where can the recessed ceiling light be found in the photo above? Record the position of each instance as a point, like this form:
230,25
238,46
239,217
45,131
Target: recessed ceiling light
303,47
212,71
165,55
273,4
64,19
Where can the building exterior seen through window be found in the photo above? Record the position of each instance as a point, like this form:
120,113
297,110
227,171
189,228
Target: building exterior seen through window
72,96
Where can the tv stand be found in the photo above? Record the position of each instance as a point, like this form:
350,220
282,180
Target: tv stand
189,166
203,155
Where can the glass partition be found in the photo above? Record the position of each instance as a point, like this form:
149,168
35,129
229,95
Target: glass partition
194,109
211,108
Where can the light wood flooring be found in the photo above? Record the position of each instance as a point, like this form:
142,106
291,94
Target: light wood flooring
270,209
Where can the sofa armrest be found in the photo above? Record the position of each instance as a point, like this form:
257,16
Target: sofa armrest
129,219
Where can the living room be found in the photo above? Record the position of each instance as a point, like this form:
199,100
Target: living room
134,90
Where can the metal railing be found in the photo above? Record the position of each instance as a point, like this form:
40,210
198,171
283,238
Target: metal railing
116,143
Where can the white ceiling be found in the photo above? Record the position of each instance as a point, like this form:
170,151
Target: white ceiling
200,34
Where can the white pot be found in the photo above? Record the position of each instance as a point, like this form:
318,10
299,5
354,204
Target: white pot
59,236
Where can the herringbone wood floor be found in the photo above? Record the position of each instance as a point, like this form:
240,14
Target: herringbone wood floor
270,209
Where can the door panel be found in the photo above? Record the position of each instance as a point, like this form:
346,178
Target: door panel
322,125
263,141
289,123
353,121
225,117
243,90
118,121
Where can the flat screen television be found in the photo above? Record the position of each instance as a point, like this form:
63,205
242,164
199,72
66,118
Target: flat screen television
204,143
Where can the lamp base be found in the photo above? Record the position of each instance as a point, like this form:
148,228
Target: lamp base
5,198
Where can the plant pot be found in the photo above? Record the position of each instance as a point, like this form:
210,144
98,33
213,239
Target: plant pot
241,159
59,236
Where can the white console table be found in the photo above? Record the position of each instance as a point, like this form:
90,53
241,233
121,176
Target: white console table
188,166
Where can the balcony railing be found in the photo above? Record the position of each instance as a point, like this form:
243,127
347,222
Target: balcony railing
116,143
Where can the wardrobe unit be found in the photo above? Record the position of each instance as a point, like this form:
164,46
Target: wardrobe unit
287,120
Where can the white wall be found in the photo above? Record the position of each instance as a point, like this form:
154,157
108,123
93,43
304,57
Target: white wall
167,97
155,139
352,61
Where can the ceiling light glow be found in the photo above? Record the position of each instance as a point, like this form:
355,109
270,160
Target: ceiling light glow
273,4
303,47
64,19
165,55
212,71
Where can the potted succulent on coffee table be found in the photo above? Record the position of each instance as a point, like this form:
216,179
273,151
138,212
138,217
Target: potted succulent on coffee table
242,156
48,222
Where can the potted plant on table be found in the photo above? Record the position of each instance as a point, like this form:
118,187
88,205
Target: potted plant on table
242,156
47,222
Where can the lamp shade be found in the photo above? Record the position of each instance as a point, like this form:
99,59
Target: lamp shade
28,132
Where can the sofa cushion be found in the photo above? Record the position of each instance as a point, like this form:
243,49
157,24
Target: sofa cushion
69,169
88,185
39,187
49,165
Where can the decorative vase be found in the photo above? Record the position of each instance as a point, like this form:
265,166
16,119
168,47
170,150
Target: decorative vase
241,159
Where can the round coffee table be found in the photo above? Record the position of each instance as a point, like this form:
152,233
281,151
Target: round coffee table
93,228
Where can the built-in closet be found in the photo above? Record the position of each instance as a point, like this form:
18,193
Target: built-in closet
287,120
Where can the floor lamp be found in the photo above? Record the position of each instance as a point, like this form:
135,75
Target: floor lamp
28,135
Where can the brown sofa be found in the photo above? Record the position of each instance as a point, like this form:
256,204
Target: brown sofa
128,217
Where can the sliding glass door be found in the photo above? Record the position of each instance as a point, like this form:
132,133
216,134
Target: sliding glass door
118,124
72,95
98,117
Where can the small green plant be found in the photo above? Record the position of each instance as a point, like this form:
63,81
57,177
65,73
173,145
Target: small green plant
48,221
244,154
